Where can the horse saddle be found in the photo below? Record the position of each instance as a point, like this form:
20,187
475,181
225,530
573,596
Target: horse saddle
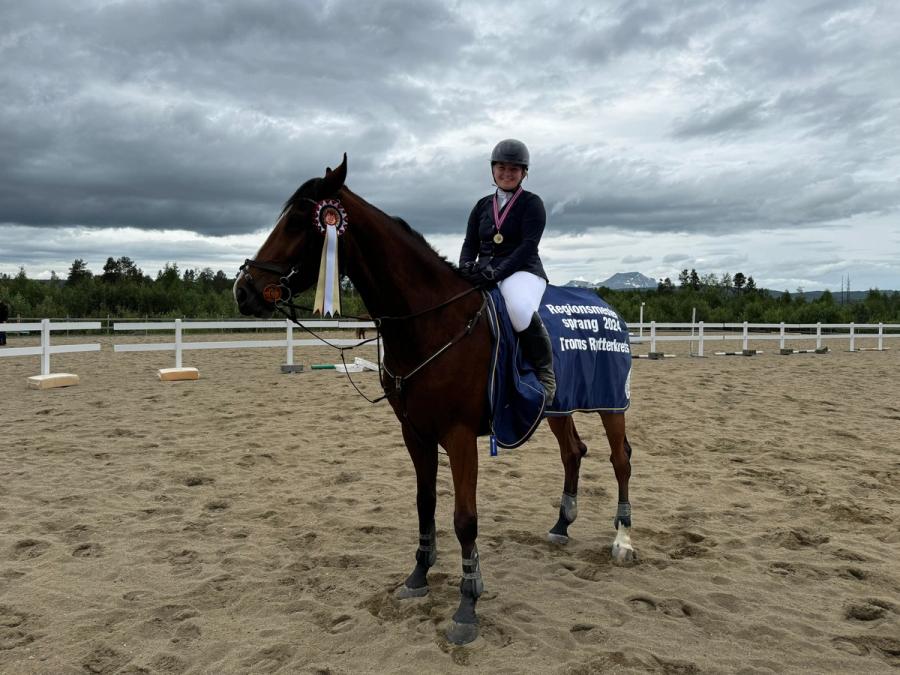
591,359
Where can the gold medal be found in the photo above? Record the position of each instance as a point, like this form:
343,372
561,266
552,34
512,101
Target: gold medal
498,238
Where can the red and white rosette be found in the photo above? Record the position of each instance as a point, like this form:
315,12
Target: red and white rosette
330,219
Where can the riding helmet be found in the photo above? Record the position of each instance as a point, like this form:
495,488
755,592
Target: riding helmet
510,151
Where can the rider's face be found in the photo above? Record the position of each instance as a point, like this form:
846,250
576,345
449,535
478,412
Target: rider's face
508,176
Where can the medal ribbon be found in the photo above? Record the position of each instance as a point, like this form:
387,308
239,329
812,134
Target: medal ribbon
498,219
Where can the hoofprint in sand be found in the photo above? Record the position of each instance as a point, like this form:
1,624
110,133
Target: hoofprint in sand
252,521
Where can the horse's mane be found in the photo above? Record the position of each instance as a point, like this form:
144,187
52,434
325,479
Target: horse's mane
299,196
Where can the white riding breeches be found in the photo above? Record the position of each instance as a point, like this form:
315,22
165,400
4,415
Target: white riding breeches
522,292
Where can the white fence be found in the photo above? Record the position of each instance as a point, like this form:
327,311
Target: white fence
45,349
781,332
702,333
287,325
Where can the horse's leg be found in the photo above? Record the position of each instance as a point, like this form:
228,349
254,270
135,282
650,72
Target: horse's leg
571,450
620,456
424,457
462,448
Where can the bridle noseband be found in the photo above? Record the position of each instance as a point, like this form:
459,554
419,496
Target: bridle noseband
284,277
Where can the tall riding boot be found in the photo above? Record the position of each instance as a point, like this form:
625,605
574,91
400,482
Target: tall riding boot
538,351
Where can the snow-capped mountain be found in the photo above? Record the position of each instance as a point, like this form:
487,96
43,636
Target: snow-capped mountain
618,281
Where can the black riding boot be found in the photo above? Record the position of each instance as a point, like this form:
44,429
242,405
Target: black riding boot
538,352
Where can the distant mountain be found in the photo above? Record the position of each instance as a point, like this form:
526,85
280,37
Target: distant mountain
578,283
618,281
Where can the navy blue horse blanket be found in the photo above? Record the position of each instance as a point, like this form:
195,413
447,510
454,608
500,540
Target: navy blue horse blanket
591,358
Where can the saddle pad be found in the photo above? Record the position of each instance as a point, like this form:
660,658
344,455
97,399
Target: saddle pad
591,359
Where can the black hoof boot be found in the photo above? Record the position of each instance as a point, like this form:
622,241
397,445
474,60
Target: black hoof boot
464,626
568,511
416,584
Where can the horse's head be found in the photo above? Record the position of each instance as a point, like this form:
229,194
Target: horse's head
288,261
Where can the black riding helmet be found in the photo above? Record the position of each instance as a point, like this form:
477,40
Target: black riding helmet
510,151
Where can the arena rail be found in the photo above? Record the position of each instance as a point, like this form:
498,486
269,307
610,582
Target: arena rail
288,342
48,380
854,332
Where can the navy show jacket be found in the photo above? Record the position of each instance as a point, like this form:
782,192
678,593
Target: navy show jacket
521,230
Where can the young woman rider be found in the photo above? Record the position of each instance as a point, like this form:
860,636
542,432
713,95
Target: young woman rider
501,247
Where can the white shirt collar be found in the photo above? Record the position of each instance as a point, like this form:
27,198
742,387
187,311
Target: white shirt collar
503,196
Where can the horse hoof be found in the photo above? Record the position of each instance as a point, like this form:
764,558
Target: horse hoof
560,539
462,633
623,555
405,592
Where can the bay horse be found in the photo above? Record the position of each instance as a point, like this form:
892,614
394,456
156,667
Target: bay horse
437,346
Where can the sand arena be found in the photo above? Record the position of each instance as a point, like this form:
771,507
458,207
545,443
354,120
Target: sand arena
259,522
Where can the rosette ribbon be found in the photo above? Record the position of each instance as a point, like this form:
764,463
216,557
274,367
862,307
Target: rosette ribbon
331,221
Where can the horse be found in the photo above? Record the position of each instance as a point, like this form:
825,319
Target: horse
436,346
361,332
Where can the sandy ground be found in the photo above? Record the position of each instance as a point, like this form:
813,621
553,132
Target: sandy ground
258,522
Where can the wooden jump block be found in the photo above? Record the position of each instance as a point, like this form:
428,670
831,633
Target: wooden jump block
366,365
296,368
175,374
748,352
786,351
52,381
349,368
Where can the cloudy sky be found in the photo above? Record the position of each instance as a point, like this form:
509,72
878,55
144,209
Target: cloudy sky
726,135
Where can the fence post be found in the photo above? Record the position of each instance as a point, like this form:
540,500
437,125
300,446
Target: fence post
880,336
746,338
700,335
819,335
852,338
653,336
782,335
45,346
178,343
290,342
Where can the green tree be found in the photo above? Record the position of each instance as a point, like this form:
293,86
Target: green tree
112,271
79,272
694,280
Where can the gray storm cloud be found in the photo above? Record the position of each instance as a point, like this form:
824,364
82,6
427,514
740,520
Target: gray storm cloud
706,117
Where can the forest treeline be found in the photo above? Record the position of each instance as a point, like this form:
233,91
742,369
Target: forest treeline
124,291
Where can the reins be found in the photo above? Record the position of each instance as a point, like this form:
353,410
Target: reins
285,300
398,380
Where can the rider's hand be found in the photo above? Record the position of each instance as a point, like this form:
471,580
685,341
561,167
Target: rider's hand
477,276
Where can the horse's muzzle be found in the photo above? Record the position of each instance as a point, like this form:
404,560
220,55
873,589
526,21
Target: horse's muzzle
249,303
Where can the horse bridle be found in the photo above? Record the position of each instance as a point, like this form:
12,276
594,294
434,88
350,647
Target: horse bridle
284,274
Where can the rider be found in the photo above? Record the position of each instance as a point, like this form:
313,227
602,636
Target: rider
501,247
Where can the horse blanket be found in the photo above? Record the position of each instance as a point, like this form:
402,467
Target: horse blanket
591,359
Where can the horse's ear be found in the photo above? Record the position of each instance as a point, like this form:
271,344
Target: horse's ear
334,180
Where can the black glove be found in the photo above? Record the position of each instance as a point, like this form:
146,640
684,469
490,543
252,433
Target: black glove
479,277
